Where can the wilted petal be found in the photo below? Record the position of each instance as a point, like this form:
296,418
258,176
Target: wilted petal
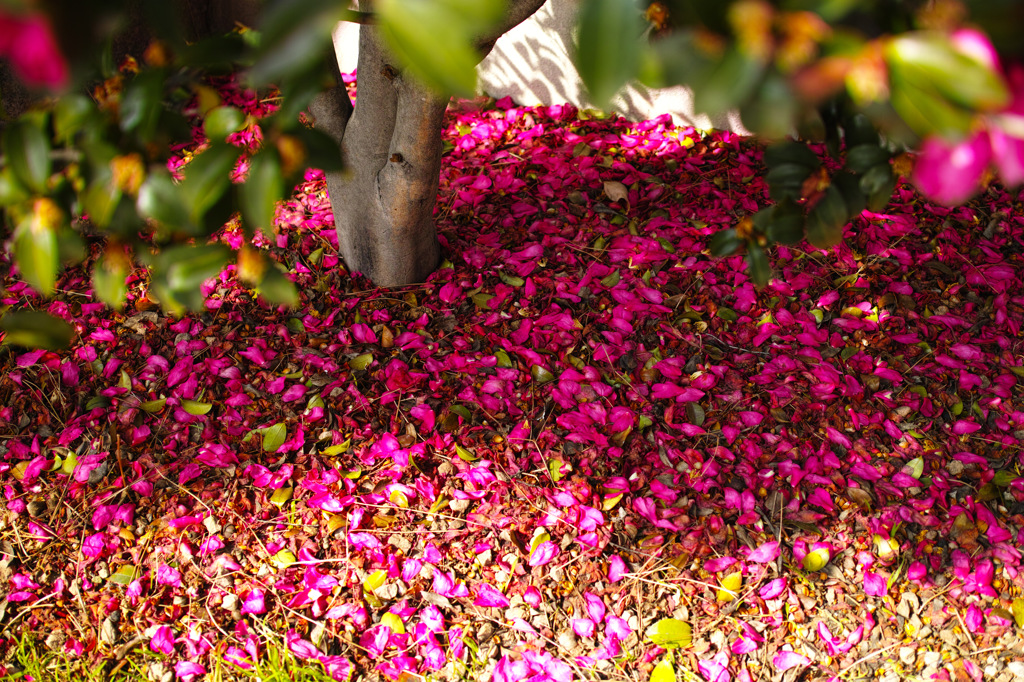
974,618
583,627
769,551
784,660
488,595
616,568
773,589
874,585
163,640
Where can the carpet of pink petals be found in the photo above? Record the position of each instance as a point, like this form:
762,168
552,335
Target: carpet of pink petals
578,426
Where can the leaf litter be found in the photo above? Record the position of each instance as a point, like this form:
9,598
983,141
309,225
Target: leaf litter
583,449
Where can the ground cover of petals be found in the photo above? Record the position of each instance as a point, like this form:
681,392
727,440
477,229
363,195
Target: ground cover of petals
578,435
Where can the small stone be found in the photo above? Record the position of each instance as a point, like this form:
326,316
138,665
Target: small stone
1016,668
931,658
908,655
230,602
109,632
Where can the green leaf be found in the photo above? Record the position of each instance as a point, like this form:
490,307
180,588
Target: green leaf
434,40
466,455
70,113
108,280
100,199
321,151
35,329
511,280
787,180
178,273
929,59
35,248
848,185
160,200
926,112
274,437
724,243
609,46
124,575
263,188
276,288
773,111
878,184
28,153
826,220
758,268
541,375
859,130
785,222
142,104
294,37
196,408
206,178
11,190
791,153
153,406
863,157
695,413
728,84
670,633
222,121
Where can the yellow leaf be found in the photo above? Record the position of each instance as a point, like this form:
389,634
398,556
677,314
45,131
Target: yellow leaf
375,580
1018,611
124,575
334,522
153,405
465,455
664,672
283,559
540,536
555,467
361,361
609,502
281,496
816,560
670,633
340,448
195,408
394,622
730,586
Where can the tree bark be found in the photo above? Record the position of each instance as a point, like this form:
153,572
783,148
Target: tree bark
384,201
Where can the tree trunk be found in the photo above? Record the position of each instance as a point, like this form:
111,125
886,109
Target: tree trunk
384,201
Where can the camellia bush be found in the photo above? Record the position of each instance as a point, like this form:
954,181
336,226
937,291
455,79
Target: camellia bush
110,94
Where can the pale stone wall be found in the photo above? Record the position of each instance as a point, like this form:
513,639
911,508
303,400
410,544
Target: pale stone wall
532,65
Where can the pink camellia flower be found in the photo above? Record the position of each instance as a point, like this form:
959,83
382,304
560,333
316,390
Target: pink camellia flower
949,172
29,43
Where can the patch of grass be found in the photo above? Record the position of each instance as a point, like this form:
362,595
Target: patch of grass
32,661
